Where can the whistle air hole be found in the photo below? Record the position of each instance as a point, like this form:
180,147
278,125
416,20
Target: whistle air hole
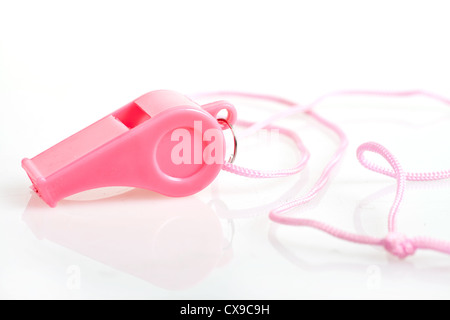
33,186
35,189
131,115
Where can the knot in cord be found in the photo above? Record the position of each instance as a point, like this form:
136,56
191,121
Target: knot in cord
399,245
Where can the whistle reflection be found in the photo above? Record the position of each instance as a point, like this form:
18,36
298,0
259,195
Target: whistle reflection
172,243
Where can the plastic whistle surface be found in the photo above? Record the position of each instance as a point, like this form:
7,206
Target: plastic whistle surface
134,146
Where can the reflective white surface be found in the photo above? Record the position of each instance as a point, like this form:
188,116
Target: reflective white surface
64,67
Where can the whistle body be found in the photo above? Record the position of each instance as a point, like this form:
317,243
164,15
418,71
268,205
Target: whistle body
138,145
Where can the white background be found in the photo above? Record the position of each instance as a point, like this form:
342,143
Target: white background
64,65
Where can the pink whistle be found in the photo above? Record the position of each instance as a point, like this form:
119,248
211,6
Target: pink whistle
162,141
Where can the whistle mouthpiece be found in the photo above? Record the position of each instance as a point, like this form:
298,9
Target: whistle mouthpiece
162,141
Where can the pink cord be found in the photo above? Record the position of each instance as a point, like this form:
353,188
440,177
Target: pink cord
396,243
251,173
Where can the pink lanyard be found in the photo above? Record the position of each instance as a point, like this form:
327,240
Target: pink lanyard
395,242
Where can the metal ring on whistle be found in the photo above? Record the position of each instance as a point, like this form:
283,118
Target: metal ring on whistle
230,127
